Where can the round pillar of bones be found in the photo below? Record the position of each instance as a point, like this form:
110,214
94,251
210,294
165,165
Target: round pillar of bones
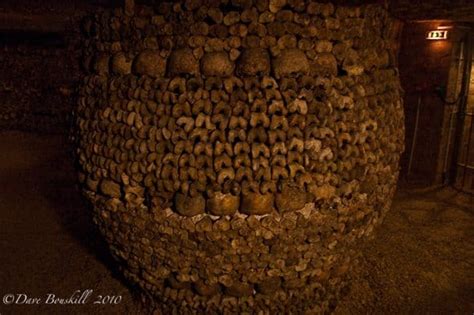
234,152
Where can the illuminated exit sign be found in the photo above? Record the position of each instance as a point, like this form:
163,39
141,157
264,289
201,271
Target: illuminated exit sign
437,35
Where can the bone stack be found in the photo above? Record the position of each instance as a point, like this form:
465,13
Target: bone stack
236,151
29,99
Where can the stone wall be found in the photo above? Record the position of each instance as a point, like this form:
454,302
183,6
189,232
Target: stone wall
465,169
29,99
454,10
235,151
424,67
431,75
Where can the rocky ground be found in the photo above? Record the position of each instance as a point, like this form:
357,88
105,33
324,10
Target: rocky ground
421,260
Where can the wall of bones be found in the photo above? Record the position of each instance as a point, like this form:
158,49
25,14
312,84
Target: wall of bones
29,99
235,151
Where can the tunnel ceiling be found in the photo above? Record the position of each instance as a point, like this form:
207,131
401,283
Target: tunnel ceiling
458,10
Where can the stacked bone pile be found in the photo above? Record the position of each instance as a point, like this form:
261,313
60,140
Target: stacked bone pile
234,151
29,99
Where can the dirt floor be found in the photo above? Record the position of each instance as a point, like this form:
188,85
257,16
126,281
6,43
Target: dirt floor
421,260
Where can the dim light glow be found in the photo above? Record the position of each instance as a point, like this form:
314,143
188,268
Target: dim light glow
437,35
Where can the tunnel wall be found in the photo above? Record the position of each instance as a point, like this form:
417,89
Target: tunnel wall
424,66
235,152
431,75
29,99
